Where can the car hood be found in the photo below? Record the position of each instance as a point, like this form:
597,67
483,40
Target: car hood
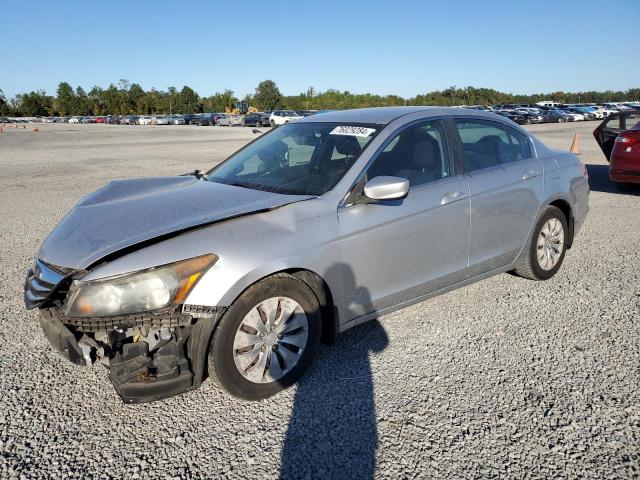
130,213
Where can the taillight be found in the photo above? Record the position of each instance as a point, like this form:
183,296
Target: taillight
628,138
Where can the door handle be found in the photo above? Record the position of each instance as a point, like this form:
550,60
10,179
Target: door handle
530,174
452,197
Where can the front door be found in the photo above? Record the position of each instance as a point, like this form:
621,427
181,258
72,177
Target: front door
395,251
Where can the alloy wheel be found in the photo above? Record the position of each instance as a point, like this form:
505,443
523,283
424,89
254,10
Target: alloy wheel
270,340
550,244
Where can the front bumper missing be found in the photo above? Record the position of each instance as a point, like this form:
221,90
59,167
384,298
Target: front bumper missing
140,371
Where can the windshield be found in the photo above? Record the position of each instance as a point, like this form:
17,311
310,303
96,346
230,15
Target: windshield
296,158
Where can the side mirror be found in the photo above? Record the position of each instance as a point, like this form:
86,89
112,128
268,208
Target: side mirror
386,188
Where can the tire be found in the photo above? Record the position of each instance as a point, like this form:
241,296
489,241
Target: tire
534,267
272,123
623,186
245,371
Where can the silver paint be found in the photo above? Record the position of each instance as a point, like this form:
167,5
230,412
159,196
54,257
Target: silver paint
374,258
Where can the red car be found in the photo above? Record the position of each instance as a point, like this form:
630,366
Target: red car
100,119
619,139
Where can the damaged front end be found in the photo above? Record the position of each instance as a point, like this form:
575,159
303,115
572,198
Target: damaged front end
150,355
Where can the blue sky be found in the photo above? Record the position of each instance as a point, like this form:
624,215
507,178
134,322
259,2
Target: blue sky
397,47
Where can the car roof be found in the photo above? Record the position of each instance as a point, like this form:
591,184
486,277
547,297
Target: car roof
385,115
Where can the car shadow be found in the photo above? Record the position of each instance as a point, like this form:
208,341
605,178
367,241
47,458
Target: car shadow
599,181
332,432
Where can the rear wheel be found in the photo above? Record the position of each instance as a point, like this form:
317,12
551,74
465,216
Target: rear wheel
266,339
547,248
623,186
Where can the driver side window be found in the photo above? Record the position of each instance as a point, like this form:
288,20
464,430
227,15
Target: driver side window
419,153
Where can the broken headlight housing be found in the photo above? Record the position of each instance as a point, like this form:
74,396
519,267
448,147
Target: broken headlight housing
137,292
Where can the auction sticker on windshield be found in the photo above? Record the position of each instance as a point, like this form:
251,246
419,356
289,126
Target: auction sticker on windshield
351,130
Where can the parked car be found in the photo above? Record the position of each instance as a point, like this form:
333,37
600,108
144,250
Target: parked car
101,119
558,116
74,119
531,115
176,120
206,119
159,120
587,113
257,119
619,138
513,116
573,116
228,120
189,117
128,120
144,120
306,113
603,110
315,227
280,117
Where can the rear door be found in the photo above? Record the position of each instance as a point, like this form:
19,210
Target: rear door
506,187
606,133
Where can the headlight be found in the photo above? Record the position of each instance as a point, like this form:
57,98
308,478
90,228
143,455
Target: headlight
138,292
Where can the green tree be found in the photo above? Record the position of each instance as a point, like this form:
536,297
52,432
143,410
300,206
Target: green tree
5,108
188,101
35,104
267,95
81,104
66,99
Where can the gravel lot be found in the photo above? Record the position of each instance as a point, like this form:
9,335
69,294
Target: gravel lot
504,378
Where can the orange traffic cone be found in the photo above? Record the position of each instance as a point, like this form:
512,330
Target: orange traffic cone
575,148
1,130
15,125
24,127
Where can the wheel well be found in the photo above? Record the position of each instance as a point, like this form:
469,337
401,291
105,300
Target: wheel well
325,299
564,206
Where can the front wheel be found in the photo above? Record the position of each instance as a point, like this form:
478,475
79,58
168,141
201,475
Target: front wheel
547,248
266,339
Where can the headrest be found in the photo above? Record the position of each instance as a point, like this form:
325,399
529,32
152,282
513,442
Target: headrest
346,145
426,154
273,153
490,144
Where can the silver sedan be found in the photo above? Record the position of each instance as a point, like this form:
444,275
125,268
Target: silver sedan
315,227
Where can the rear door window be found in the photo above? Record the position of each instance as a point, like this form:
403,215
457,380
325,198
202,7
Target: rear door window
520,145
631,120
613,123
485,144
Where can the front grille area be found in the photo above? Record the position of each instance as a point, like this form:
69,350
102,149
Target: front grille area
42,281
106,324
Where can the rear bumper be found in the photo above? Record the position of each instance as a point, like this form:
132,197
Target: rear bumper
138,374
622,176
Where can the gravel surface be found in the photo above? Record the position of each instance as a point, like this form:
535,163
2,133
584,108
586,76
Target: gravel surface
504,378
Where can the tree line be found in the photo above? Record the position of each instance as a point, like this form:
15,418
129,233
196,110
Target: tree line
130,98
